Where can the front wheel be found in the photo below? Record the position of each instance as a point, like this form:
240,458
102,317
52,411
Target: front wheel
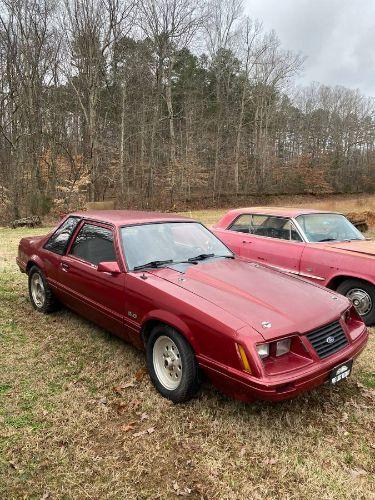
362,296
41,295
172,364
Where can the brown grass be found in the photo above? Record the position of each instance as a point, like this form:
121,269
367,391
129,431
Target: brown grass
64,413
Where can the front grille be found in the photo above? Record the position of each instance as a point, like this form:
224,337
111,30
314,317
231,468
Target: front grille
318,339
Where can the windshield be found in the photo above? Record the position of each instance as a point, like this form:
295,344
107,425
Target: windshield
169,242
328,227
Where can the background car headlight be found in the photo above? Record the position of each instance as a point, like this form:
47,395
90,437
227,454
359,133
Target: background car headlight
282,347
263,350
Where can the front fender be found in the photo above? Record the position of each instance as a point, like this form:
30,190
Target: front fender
35,260
174,321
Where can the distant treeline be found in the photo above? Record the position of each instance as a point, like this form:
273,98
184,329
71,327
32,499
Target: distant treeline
162,103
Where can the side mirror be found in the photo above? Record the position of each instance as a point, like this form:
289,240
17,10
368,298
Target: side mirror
109,267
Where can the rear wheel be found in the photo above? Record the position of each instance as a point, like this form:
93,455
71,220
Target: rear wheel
41,295
172,364
362,296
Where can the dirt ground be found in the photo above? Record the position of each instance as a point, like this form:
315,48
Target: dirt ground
80,419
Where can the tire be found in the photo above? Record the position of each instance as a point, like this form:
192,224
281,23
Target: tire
364,293
179,381
44,301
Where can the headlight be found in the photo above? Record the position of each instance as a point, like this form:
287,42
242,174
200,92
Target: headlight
263,350
282,347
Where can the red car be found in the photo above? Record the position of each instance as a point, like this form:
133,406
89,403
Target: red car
167,284
323,247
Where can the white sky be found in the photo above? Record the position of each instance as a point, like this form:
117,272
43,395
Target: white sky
337,36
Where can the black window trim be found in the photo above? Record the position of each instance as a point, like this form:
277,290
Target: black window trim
93,222
70,237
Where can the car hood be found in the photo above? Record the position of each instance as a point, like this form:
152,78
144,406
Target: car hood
257,294
366,247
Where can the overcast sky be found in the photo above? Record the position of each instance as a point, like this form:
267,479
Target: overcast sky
337,36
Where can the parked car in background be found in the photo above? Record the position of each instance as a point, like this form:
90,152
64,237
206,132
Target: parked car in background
167,284
323,247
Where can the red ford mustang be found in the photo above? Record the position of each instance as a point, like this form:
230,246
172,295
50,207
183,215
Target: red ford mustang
166,283
323,247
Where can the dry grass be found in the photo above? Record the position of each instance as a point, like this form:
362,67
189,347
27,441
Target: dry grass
63,425
338,203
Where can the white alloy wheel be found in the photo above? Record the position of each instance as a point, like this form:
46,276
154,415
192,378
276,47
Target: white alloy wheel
37,290
167,362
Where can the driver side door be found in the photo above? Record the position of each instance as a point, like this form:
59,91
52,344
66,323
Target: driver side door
98,296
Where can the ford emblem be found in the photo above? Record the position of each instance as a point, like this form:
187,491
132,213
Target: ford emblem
330,340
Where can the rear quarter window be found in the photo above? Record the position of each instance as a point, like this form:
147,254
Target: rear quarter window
58,242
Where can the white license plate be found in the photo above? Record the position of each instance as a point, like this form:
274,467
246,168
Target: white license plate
341,372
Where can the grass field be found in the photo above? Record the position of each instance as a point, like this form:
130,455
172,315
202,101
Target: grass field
80,419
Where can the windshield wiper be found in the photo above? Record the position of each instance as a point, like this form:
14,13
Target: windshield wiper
204,256
327,239
153,263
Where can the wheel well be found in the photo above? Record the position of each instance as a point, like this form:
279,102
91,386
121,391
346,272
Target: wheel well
148,327
335,282
29,265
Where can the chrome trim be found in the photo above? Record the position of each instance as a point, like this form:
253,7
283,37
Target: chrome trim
312,276
300,230
297,273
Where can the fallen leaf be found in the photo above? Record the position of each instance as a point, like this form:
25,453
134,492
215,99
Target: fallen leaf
181,492
134,404
119,388
139,375
120,407
142,433
270,461
128,427
139,434
144,416
357,472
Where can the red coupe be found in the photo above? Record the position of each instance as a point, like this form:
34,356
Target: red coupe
323,247
167,284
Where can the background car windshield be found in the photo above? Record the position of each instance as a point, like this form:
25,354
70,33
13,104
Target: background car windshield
177,241
328,227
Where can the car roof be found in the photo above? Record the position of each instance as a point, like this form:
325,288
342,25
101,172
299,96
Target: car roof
279,211
125,217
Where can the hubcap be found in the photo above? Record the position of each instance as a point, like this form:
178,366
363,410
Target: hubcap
361,300
37,290
167,362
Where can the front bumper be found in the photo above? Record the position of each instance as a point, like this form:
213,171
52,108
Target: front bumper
246,387
21,265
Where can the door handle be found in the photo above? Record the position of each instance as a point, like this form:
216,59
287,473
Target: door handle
64,267
248,242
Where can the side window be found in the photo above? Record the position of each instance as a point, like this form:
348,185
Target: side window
274,227
241,224
60,238
94,244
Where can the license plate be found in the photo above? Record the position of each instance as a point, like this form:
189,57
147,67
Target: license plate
340,372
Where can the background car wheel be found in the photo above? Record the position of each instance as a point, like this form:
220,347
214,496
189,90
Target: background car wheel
41,295
172,365
362,295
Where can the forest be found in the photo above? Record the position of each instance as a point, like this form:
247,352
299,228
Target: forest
165,104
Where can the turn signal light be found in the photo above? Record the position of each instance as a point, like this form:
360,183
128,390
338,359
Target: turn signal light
245,361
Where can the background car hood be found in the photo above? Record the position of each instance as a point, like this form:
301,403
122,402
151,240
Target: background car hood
366,247
256,294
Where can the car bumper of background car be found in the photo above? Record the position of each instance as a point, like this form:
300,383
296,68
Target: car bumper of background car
246,387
